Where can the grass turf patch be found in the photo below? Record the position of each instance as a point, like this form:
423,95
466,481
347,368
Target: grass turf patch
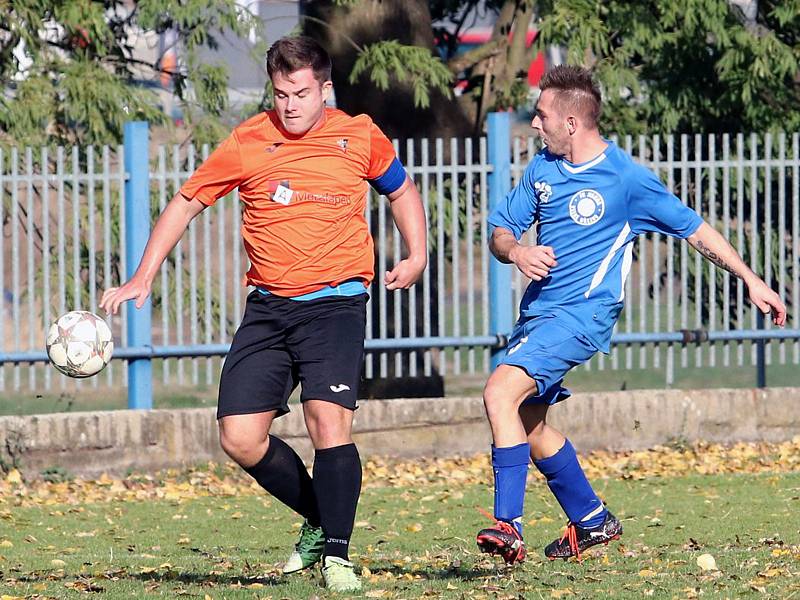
209,533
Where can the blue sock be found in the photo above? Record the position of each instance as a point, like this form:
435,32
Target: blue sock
510,467
569,485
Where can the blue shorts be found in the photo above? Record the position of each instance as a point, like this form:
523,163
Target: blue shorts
546,350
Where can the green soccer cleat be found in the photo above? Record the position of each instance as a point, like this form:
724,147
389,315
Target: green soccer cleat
339,575
307,550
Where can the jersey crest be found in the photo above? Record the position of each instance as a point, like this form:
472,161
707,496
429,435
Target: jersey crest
587,207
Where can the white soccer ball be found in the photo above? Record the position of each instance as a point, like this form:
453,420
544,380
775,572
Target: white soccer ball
79,344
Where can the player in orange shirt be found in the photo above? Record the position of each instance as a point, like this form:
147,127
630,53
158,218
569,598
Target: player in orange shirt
302,171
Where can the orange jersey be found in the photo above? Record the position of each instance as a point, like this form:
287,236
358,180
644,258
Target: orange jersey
303,198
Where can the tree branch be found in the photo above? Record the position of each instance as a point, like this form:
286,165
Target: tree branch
474,56
522,21
350,40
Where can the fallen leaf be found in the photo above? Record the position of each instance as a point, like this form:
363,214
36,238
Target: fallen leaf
706,562
646,573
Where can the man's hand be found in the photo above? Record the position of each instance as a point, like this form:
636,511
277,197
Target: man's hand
405,273
534,262
136,288
767,301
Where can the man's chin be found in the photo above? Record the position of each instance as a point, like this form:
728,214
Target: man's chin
295,128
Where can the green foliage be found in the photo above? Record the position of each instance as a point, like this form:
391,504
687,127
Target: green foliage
56,475
408,64
685,65
514,96
96,103
72,72
29,119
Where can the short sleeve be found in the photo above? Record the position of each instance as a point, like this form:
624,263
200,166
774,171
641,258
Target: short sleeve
381,153
518,211
652,208
218,175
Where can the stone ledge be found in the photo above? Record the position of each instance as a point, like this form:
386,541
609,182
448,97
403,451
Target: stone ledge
88,444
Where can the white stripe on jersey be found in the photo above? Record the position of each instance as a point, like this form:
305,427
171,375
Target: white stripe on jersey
626,268
582,168
603,269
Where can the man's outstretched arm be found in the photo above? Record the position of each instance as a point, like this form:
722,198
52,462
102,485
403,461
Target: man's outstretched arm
710,243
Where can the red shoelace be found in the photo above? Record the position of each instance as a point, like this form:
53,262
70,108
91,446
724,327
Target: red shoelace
571,535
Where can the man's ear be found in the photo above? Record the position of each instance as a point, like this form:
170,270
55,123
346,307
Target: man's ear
327,89
572,125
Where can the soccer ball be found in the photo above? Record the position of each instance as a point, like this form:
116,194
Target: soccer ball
79,344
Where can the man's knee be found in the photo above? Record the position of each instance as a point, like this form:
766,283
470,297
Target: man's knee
244,446
500,401
328,424
495,402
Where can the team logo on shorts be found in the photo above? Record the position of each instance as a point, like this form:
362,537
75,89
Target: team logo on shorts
543,190
518,346
587,207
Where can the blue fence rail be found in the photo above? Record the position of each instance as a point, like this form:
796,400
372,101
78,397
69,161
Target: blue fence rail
72,232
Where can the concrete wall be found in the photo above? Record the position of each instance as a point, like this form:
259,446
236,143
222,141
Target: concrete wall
117,441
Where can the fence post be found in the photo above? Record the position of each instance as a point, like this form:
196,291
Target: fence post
501,316
137,230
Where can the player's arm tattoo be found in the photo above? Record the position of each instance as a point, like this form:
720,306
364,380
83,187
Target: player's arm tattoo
714,257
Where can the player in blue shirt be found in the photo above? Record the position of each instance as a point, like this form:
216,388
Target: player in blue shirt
590,201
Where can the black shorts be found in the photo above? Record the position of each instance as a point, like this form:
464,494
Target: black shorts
281,342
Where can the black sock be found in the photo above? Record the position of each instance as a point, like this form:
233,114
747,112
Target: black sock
282,473
337,482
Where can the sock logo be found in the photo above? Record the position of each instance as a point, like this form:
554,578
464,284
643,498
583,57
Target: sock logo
333,540
339,388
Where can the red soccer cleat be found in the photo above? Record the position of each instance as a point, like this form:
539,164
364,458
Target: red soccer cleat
503,539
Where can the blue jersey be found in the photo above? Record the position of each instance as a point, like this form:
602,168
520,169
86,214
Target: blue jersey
590,214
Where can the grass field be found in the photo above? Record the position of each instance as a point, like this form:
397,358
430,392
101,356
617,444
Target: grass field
208,533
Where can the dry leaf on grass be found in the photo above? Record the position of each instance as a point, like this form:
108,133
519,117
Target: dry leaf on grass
706,562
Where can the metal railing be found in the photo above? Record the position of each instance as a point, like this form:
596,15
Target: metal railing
65,235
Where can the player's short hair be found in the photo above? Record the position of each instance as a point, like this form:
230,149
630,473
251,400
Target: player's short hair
575,87
290,54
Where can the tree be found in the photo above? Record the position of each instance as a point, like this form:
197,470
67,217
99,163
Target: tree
392,63
685,65
71,73
664,65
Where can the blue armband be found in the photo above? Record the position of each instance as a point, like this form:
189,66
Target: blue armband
391,180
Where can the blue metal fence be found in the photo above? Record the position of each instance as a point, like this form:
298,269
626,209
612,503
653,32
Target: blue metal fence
61,247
